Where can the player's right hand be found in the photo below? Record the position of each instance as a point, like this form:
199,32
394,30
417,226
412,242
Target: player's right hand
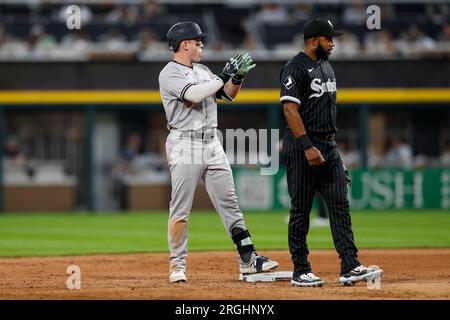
314,157
234,64
231,68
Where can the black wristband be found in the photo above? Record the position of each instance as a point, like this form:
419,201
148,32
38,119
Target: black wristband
305,142
237,79
224,76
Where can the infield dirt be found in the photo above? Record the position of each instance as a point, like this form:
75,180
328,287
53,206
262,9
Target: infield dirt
408,274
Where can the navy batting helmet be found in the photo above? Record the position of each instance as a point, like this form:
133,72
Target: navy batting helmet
183,31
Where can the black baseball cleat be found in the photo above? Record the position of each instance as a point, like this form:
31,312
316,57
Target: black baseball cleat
360,273
307,280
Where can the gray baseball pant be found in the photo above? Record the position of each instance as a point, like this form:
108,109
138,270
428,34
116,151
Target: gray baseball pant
190,161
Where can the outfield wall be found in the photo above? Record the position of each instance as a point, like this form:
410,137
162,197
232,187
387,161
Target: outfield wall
387,189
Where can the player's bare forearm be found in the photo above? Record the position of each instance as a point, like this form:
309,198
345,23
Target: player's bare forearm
295,122
294,119
232,89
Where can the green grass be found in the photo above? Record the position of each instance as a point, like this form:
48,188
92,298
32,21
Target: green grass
74,233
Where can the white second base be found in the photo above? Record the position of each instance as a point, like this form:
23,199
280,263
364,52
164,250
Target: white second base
267,276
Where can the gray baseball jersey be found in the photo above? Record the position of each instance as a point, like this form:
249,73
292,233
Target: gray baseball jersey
174,80
183,153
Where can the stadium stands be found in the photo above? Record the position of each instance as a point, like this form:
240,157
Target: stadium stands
26,27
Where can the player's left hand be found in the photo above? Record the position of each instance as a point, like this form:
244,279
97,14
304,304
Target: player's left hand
314,157
246,65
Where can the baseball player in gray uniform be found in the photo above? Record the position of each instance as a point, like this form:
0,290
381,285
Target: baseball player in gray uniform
194,152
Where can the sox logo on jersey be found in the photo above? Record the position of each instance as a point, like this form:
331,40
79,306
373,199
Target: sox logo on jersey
320,88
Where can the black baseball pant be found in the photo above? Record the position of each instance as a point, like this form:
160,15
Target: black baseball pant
331,181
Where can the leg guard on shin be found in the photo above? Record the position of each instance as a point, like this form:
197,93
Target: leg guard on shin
243,242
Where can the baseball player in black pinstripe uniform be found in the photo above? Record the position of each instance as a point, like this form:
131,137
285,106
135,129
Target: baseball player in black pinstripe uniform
308,95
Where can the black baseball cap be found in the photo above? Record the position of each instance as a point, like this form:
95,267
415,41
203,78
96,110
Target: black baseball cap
320,27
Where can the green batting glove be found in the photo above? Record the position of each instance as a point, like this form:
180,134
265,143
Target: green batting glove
246,64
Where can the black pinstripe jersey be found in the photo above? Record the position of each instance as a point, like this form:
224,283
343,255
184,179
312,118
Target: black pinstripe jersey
312,85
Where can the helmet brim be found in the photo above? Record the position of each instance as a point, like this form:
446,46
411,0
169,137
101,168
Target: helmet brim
201,36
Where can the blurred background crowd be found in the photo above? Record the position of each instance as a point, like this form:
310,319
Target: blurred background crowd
36,29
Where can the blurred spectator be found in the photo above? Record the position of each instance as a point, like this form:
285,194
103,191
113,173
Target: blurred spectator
152,11
444,36
414,40
132,147
4,36
113,40
126,166
374,159
126,14
399,155
271,13
443,39
387,12
79,40
444,158
347,45
12,151
148,41
420,161
290,49
251,43
10,45
437,13
350,158
355,14
40,40
220,46
156,157
379,43
302,12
